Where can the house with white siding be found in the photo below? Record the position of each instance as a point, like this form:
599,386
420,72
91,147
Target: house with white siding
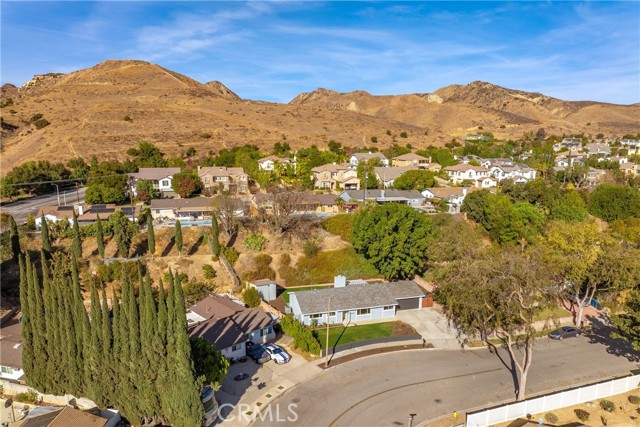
358,157
517,171
229,325
11,350
161,179
352,302
408,197
463,172
270,163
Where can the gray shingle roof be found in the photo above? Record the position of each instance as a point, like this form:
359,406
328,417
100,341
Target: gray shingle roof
355,296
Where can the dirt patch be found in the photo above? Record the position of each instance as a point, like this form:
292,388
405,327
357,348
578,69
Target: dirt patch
401,329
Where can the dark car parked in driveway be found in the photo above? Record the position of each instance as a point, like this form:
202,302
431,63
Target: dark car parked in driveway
257,352
565,332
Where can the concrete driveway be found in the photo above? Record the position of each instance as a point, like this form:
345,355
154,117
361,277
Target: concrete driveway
433,326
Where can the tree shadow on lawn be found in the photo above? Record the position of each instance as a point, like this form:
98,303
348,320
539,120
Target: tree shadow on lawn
170,246
600,333
194,248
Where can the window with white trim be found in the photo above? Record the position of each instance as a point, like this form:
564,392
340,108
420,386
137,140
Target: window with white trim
389,307
363,311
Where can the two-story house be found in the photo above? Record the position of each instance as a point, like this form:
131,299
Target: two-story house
387,175
269,163
411,159
359,157
222,178
334,176
518,173
462,172
161,179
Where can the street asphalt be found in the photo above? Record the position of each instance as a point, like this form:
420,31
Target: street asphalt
22,208
383,390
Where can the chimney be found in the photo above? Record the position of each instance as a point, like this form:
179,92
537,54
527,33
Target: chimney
339,282
382,194
80,210
199,168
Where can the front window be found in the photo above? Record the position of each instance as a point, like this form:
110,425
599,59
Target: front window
316,316
7,370
389,307
363,311
265,331
236,347
165,182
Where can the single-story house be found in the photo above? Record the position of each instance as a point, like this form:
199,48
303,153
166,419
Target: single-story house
87,214
598,149
307,203
386,175
356,301
190,209
11,350
486,182
632,169
161,179
55,416
269,163
54,213
358,157
411,159
454,196
408,197
229,325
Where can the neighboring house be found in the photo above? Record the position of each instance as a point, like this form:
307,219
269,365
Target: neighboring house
229,325
476,137
386,175
87,214
566,160
453,196
631,143
631,169
161,179
306,203
358,157
462,172
355,302
222,178
408,197
411,159
595,176
55,416
598,149
512,171
269,163
470,158
11,350
334,176
621,160
570,143
485,183
182,209
489,163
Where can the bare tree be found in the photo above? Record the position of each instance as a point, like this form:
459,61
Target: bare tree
229,210
286,209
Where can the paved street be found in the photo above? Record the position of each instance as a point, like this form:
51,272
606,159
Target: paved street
21,209
383,390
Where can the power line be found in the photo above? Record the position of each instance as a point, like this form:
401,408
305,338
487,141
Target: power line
66,180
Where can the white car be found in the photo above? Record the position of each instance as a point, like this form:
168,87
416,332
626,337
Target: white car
277,353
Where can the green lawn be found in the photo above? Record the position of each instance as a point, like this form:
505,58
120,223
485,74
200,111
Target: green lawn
323,267
285,294
354,333
552,313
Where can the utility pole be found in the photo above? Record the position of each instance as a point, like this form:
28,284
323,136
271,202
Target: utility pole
326,346
364,196
131,199
410,420
77,193
58,193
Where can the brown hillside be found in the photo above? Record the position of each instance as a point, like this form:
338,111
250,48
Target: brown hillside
87,111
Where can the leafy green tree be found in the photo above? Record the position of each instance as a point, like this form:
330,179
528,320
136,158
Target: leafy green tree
214,241
209,363
178,237
15,239
475,205
145,190
366,172
251,297
571,208
628,322
100,237
147,155
441,156
394,238
122,233
415,180
151,237
77,240
611,202
186,183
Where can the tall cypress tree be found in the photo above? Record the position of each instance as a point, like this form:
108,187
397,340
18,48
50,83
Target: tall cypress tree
214,239
94,356
39,325
178,237
107,348
150,354
151,238
46,239
26,304
77,240
100,237
15,239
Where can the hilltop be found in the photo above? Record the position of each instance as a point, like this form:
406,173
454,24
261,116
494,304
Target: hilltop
108,108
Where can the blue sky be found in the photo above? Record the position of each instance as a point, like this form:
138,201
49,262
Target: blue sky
274,50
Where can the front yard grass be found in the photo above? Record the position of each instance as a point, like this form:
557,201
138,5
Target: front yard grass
345,335
552,313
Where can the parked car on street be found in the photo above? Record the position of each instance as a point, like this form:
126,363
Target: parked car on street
257,352
278,354
565,332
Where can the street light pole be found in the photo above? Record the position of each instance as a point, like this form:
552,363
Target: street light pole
58,193
326,346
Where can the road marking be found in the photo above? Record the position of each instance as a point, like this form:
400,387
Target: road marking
335,420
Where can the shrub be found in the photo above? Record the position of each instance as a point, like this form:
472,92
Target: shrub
341,225
255,242
303,337
582,414
551,417
127,119
205,135
388,132
403,134
251,297
262,270
231,254
285,260
607,405
6,103
30,396
311,247
374,139
195,291
40,123
208,271
634,399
